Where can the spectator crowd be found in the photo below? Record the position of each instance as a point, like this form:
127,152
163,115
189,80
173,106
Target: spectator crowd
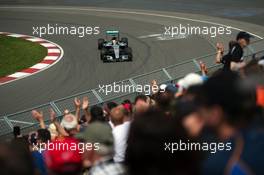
154,134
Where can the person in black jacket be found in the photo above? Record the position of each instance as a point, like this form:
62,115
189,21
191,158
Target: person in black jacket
233,60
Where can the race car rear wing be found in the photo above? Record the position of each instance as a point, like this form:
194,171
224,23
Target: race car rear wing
112,32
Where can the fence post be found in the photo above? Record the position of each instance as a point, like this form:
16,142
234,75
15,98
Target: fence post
197,64
99,98
167,73
8,123
55,107
133,83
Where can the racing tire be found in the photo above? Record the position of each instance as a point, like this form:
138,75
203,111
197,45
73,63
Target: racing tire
128,50
102,55
124,40
100,43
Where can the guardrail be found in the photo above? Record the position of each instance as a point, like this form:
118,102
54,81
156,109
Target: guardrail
164,75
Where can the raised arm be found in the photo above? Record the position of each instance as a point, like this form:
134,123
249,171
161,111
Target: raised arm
154,87
85,106
203,68
234,66
220,53
77,103
60,129
39,117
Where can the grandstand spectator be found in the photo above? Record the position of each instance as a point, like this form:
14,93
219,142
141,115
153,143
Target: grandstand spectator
107,110
142,103
15,158
117,115
84,105
163,100
70,124
120,131
100,157
128,106
97,114
53,131
252,74
17,132
229,110
63,157
184,110
233,60
189,80
146,153
37,140
43,137
228,104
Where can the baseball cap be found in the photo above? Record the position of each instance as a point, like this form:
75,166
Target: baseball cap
128,107
261,61
64,159
97,132
244,35
189,80
171,88
69,122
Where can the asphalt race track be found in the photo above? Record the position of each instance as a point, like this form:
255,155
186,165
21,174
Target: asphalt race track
81,69
243,10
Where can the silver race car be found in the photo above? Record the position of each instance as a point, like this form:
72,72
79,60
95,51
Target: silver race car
114,49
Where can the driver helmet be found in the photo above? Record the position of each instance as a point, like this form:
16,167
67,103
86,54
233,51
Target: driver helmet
114,40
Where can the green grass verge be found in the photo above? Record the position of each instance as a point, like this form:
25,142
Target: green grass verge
17,54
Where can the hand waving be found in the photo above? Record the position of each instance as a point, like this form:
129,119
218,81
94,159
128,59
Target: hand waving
37,115
52,115
220,47
85,103
77,102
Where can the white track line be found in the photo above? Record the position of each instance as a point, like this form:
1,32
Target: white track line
128,12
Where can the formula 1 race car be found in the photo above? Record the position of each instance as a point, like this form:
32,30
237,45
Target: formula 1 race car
114,49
